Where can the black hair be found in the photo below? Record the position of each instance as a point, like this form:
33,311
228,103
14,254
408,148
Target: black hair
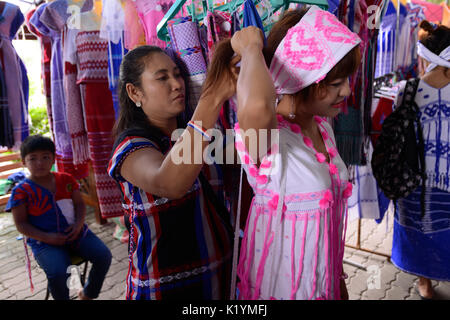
131,69
36,143
438,38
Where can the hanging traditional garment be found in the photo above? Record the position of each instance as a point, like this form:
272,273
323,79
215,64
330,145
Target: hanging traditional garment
112,30
116,52
134,32
49,20
46,55
252,18
235,23
185,41
433,12
113,21
349,125
89,53
382,110
363,203
403,49
416,12
386,42
219,27
16,79
6,133
333,6
150,14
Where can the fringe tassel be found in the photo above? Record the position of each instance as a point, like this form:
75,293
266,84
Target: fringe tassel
80,148
440,181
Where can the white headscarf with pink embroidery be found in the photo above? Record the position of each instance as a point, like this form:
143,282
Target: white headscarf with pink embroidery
310,50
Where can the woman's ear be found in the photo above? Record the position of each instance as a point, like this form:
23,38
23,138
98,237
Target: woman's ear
133,92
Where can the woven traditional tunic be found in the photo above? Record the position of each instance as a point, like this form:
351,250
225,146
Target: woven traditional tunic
179,249
14,90
96,116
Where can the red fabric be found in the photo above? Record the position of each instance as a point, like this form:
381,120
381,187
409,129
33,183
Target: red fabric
66,165
65,186
384,109
99,115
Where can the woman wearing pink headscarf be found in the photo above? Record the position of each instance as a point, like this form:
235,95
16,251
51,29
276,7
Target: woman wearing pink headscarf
294,236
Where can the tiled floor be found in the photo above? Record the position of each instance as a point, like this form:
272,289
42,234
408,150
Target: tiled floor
375,278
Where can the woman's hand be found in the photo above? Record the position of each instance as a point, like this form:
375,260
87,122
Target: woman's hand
247,38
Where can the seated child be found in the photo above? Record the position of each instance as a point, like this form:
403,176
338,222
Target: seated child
48,209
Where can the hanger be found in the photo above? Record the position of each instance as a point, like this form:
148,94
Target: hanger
283,5
230,7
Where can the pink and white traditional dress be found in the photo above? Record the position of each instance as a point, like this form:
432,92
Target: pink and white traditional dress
294,237
296,253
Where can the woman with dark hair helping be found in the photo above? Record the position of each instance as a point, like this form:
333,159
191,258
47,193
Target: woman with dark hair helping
180,231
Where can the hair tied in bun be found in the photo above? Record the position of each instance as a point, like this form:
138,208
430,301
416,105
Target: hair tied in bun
428,26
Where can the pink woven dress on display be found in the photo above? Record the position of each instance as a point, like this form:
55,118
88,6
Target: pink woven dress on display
134,32
150,14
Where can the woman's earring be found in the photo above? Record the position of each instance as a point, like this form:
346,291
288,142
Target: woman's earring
292,113
138,104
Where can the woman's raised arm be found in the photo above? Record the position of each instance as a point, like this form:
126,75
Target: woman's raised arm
255,90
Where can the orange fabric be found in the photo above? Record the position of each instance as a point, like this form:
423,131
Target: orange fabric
134,31
404,2
445,14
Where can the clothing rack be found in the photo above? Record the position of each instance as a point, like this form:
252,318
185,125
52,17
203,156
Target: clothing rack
358,246
89,194
25,34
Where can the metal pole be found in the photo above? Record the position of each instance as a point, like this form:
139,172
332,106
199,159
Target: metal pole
397,36
357,265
